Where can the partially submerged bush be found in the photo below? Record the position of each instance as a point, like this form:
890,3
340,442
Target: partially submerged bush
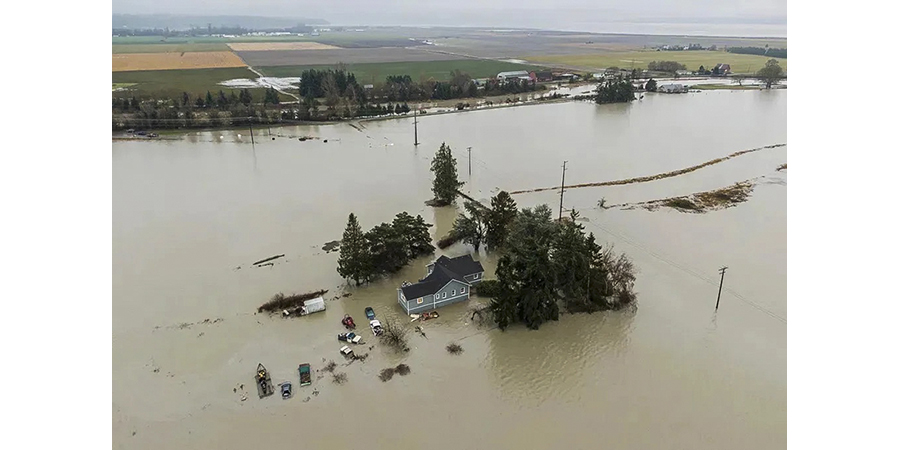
339,378
487,288
454,348
394,335
330,366
402,369
386,374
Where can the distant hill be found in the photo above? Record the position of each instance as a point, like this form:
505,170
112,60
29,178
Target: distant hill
185,22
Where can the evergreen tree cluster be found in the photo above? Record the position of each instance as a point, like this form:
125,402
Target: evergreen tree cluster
384,249
618,90
548,265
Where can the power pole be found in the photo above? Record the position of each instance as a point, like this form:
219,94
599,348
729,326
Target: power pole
470,161
722,271
416,126
562,189
251,132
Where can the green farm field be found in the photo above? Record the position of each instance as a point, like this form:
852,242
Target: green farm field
372,73
639,60
171,83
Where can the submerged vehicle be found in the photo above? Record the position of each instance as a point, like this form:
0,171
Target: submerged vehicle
376,327
350,337
305,375
370,313
264,381
286,391
346,351
347,322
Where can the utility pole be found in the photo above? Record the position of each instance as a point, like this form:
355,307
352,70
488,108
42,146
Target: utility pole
562,189
470,161
416,126
722,271
251,131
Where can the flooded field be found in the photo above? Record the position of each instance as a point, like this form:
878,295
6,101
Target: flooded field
191,216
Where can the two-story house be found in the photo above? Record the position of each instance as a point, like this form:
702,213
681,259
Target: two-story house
447,281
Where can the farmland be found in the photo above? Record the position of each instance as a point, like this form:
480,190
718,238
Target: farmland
343,55
171,83
169,48
277,46
439,70
639,60
166,61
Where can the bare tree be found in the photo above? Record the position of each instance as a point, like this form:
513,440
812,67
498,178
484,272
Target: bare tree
394,335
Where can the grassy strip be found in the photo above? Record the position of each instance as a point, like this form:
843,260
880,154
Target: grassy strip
653,177
372,73
724,87
171,83
639,59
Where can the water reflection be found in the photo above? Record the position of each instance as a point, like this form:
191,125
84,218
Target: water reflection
561,357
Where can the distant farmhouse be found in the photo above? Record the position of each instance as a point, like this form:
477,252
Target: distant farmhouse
542,76
514,75
672,88
448,281
721,70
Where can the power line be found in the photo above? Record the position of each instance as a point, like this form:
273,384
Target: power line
691,272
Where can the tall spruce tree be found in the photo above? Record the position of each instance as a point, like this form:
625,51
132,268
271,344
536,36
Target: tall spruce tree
445,183
354,261
499,219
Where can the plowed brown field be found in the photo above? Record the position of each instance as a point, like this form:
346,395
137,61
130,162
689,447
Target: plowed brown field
176,60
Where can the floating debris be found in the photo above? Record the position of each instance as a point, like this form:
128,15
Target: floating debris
700,202
332,246
782,167
339,378
271,258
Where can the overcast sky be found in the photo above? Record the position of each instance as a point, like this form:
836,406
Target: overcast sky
547,14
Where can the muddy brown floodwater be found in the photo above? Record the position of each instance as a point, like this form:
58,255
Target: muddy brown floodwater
191,216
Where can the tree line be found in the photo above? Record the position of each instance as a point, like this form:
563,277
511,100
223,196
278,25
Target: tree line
764,51
544,264
665,66
383,250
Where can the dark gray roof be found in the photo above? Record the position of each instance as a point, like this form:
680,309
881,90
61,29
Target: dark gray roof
445,269
463,265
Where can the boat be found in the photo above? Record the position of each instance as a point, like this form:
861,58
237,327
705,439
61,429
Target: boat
348,323
286,391
305,375
346,351
370,313
376,327
264,381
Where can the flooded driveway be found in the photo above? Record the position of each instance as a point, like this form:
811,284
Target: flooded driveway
190,216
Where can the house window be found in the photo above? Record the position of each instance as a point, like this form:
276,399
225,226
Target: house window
444,295
462,290
454,292
419,300
476,276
